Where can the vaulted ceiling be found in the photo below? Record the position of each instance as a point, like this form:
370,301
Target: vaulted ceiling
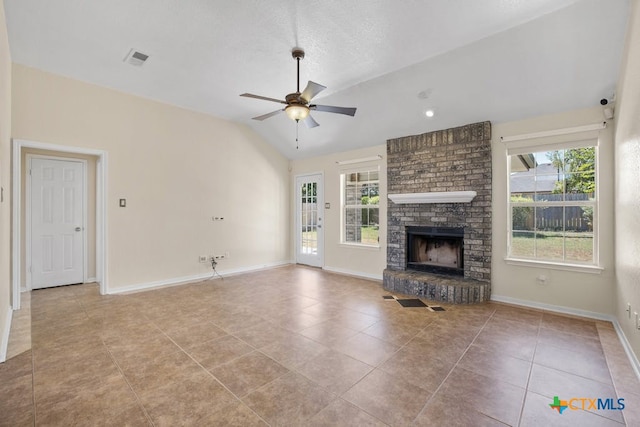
468,60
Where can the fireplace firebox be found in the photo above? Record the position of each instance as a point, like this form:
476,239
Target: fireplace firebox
435,250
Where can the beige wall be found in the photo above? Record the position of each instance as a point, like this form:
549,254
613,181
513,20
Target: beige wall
577,291
176,168
91,208
5,177
367,262
627,192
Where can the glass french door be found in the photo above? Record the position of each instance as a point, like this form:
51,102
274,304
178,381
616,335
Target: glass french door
309,220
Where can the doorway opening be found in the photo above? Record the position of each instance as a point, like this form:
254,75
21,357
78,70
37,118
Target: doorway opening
19,221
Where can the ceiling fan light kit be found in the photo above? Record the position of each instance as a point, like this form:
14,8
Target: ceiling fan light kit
298,104
297,111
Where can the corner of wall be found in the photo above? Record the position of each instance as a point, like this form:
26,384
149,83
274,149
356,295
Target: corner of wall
5,182
627,187
5,326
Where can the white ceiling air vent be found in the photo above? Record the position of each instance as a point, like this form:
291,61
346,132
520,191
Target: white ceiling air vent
136,58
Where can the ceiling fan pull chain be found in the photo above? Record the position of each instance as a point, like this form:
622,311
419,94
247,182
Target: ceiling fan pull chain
298,80
297,123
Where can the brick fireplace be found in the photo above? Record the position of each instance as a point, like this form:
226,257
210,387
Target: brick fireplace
439,226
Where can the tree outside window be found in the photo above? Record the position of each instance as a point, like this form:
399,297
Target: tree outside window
361,212
553,206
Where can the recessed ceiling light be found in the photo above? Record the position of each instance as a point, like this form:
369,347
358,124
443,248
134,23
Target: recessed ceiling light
429,113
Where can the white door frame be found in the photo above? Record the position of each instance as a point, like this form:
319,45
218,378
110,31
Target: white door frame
27,212
101,211
298,225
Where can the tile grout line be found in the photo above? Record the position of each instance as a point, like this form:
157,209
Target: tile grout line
211,374
613,380
115,362
33,381
453,367
540,329
113,359
381,363
297,372
526,389
339,396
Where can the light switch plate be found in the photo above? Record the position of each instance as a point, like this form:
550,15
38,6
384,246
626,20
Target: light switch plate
123,203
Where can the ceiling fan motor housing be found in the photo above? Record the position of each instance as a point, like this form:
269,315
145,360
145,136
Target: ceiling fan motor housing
297,53
295,98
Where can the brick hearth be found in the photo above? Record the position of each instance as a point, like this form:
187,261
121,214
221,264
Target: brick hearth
456,159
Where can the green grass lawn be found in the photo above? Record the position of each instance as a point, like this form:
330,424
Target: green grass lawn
548,245
368,236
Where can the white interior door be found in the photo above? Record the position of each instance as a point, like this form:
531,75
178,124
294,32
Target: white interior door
309,220
56,241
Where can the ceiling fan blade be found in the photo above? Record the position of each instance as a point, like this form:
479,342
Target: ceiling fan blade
266,116
331,109
310,122
264,98
311,90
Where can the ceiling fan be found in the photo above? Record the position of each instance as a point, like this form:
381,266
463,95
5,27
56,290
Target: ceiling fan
298,104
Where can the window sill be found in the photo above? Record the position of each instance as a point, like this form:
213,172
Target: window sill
361,246
581,268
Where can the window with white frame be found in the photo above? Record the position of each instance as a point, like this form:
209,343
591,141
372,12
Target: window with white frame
360,206
553,208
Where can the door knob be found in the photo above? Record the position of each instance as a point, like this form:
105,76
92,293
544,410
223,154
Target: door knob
78,228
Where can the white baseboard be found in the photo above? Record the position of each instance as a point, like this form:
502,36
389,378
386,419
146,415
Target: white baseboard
377,277
635,363
551,307
253,268
91,280
4,340
195,278
633,359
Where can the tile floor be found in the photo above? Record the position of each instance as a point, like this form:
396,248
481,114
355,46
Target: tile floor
20,336
299,346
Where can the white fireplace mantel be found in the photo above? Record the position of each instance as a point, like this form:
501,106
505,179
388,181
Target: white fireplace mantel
434,197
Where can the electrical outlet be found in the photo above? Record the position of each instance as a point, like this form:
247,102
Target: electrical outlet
203,258
219,256
629,309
